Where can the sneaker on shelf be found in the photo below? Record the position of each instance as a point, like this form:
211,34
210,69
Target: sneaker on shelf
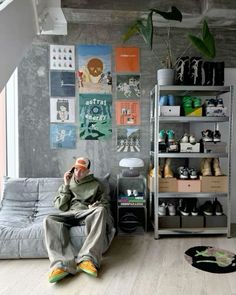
217,207
168,173
183,172
184,138
170,135
192,173
206,167
207,208
163,100
184,210
194,210
192,139
187,101
197,102
162,136
216,136
219,103
171,100
207,135
210,102
171,209
162,209
216,167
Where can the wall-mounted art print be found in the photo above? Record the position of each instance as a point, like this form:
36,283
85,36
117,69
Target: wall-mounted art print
94,69
62,136
128,86
62,84
127,59
95,116
62,57
128,112
62,110
128,139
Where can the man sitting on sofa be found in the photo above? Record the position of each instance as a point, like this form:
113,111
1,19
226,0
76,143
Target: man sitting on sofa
84,201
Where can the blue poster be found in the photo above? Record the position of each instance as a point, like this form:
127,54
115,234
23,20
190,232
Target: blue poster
95,116
62,136
93,69
62,84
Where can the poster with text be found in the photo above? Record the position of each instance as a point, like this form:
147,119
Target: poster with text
95,116
62,57
62,84
128,139
62,110
128,86
127,112
62,136
127,59
94,69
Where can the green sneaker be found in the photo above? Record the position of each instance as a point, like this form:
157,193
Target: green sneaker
197,102
162,136
171,135
187,101
57,274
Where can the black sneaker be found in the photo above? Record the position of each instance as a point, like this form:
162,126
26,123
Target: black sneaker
217,136
207,208
183,172
207,135
184,209
194,209
217,207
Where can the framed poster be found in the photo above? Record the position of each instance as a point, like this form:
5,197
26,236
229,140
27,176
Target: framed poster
95,116
127,59
62,136
128,86
94,69
128,139
127,112
62,57
62,84
62,110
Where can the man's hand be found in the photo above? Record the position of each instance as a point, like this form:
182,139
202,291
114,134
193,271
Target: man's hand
94,204
67,177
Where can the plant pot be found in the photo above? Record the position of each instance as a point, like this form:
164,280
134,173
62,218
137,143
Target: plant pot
165,77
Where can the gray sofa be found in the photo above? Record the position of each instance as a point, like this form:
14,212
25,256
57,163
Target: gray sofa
25,202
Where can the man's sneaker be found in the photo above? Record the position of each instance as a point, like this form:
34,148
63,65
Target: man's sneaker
170,135
88,267
197,102
57,274
187,101
216,167
183,172
162,136
184,138
163,100
192,173
192,139
162,209
207,208
207,135
219,103
217,136
210,102
171,100
171,209
217,207
184,210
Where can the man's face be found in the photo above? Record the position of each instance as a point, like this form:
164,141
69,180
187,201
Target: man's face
80,173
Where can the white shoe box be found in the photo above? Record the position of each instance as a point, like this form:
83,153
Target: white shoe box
169,111
216,111
189,147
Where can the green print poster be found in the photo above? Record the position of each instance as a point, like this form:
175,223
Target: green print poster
95,116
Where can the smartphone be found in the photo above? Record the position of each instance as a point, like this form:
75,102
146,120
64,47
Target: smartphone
72,170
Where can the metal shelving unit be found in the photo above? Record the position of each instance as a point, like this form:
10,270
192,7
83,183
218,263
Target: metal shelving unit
155,120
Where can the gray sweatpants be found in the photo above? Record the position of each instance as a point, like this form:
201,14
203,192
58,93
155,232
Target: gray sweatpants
58,243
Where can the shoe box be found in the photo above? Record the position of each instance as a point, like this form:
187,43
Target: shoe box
193,112
214,147
169,221
192,221
215,221
186,147
167,111
214,184
165,184
188,186
216,111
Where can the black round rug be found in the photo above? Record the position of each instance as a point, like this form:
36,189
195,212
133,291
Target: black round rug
211,259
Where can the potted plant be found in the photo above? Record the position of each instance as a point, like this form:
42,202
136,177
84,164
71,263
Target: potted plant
144,27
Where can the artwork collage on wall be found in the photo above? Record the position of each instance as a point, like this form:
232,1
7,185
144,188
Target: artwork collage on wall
81,95
127,67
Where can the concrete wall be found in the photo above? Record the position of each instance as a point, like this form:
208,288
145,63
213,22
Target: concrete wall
36,157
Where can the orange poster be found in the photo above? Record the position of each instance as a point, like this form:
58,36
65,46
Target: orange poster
127,59
128,112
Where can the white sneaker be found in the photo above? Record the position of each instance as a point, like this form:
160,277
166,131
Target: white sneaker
192,139
162,209
184,139
171,209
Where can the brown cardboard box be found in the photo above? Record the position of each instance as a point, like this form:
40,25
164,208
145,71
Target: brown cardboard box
189,186
214,184
165,184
